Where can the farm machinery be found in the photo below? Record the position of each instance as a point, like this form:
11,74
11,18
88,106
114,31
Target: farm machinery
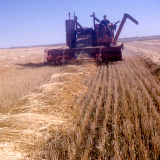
97,43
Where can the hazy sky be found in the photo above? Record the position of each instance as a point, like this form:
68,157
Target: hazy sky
38,22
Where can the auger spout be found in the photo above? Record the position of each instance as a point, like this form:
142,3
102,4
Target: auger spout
122,24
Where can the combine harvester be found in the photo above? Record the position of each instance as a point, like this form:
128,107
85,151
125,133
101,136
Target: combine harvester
103,46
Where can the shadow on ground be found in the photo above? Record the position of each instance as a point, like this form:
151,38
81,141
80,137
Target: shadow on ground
36,65
73,62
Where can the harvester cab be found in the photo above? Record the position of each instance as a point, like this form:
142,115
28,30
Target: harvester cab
102,41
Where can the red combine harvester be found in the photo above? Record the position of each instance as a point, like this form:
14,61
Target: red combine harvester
103,45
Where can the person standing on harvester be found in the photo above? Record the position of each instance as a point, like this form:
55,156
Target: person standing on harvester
105,22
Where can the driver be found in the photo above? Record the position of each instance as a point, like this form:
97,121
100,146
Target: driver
105,22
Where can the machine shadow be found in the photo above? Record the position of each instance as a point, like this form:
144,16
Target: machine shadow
75,62
44,64
35,65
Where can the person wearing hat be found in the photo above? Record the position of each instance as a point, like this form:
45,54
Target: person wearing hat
105,22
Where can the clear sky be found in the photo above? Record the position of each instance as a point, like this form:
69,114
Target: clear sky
40,22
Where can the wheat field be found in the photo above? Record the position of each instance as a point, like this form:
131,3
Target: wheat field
118,117
83,111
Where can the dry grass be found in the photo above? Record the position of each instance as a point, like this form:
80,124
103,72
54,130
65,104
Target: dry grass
81,111
18,82
14,123
155,43
21,70
148,49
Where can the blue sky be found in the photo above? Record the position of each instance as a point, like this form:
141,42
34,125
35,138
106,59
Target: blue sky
40,22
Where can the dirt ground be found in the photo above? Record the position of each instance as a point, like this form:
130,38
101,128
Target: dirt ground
37,98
